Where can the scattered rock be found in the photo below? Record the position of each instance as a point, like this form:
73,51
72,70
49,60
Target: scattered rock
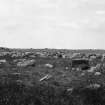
26,63
45,78
66,68
78,69
3,61
49,65
19,81
97,73
94,86
82,74
70,89
80,63
91,70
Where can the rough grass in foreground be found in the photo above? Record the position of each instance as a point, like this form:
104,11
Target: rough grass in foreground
21,86
19,93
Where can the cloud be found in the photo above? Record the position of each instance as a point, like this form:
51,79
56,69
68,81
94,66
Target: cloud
72,25
100,12
52,23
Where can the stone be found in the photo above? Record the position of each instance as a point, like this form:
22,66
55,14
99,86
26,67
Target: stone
26,63
49,65
97,73
45,77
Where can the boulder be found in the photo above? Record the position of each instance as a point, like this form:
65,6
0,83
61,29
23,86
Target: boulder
3,61
26,63
49,65
94,86
97,73
80,63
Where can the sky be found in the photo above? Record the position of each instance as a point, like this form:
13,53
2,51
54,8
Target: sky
67,24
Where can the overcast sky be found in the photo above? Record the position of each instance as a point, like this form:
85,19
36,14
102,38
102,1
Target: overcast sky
72,24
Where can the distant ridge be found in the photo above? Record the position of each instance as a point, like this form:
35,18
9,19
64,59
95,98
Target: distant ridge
100,51
2,49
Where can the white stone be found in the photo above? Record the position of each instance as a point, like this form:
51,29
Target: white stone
49,65
45,77
3,61
25,63
97,73
94,86
66,68
92,69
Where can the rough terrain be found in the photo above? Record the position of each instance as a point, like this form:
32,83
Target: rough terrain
52,77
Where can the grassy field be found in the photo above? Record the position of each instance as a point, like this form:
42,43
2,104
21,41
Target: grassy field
62,85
